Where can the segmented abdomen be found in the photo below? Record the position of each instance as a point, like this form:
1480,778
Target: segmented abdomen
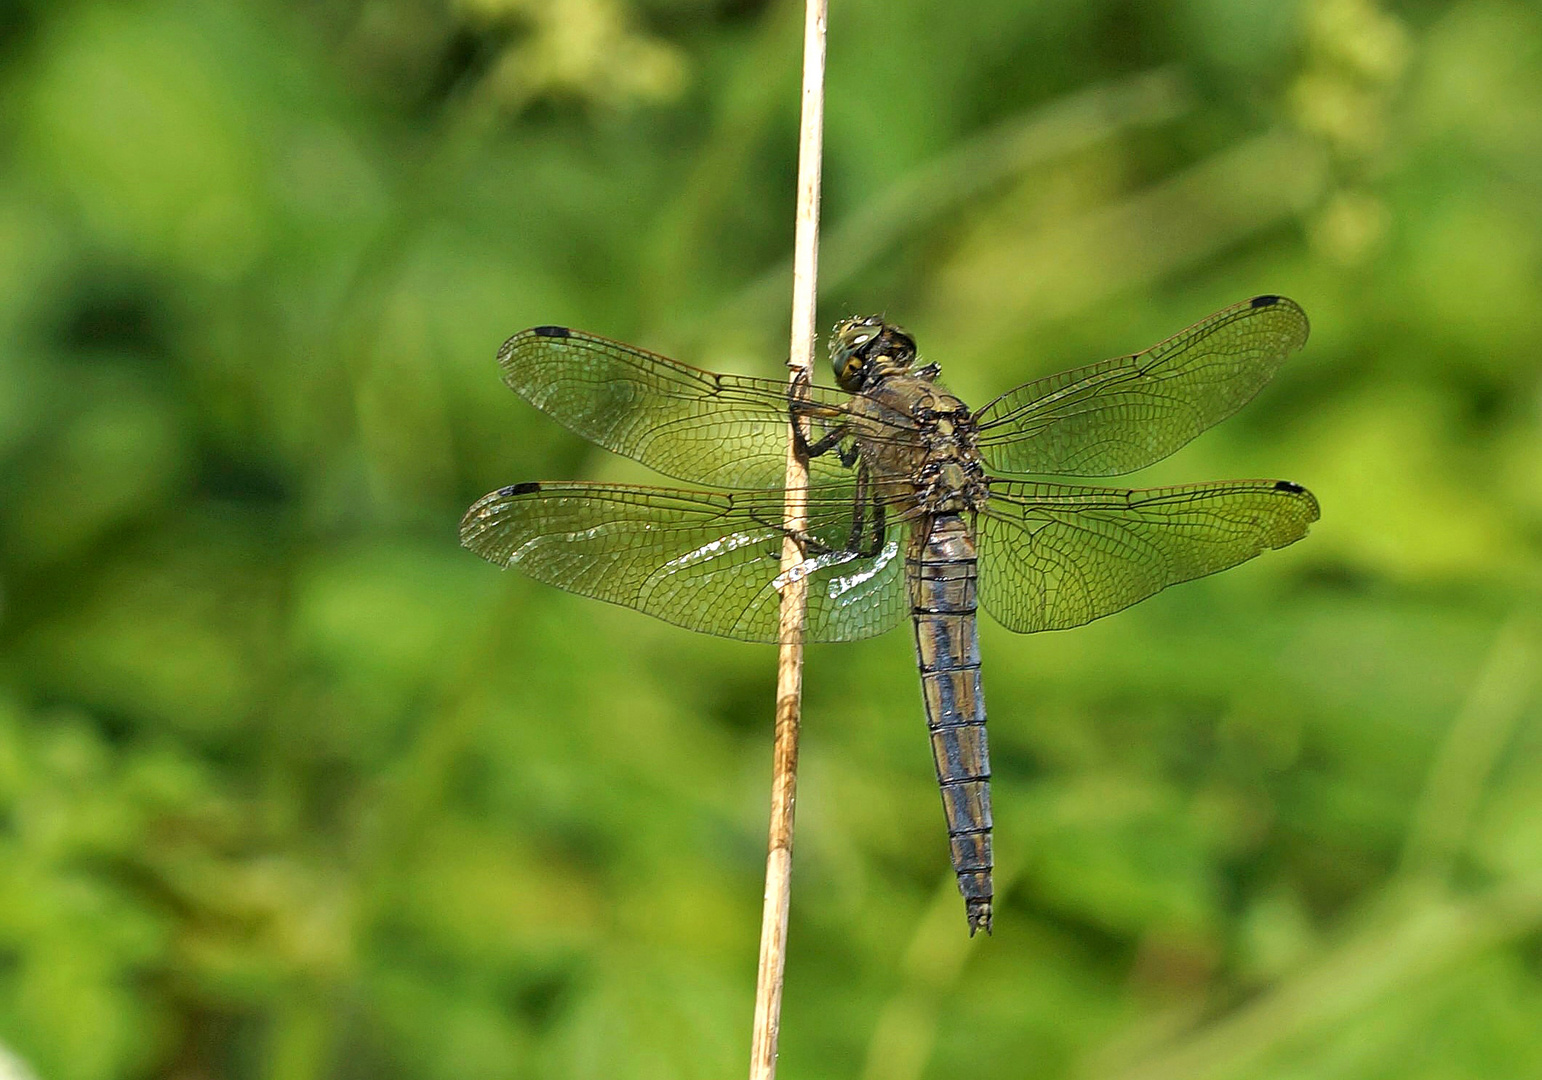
942,573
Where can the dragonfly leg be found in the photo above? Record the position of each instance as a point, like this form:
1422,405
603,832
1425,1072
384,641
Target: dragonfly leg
860,542
880,528
829,441
810,543
802,413
868,545
858,510
813,545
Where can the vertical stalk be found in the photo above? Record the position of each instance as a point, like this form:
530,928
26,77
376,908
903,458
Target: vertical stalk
789,668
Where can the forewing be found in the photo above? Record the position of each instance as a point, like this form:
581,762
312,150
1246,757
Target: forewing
1123,414
1053,557
724,430
707,561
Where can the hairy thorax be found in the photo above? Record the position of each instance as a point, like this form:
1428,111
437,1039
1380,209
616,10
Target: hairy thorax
939,471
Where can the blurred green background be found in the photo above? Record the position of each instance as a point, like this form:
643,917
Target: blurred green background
292,787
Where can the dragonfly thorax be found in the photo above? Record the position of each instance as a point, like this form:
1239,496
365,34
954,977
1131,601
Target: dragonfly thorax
952,487
952,476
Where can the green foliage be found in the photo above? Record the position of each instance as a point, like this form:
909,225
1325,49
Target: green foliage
291,787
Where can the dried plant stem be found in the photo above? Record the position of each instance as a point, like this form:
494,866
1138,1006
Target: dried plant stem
789,669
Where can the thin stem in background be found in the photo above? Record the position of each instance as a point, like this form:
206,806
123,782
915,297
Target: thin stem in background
1495,706
970,171
789,668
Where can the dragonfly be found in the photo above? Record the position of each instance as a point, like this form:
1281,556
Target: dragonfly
918,505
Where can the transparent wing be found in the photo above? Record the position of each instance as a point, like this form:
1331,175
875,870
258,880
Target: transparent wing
724,430
1053,557
707,561
1123,414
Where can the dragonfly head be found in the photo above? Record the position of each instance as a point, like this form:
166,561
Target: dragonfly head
865,349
